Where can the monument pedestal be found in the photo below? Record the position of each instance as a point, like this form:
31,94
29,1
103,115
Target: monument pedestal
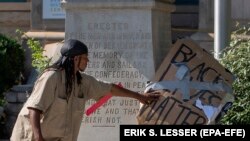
127,41
205,40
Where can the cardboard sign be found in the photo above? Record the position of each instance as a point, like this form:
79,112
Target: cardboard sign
195,88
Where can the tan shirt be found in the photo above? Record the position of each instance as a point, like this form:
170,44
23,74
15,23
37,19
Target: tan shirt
61,119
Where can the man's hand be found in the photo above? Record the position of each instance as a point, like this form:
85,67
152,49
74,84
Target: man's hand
148,98
39,139
35,123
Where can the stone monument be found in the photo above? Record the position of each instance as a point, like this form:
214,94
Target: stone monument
204,37
127,41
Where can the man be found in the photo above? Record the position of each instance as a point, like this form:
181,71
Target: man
55,108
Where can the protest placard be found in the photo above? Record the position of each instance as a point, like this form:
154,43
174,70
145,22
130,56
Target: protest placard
195,88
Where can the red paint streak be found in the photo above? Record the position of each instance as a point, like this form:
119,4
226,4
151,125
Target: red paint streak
99,103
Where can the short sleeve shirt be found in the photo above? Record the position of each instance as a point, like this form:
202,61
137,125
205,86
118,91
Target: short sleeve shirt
61,116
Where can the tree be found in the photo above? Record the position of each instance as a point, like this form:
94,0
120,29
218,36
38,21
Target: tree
11,63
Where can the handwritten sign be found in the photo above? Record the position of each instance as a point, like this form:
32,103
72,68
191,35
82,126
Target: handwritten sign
205,80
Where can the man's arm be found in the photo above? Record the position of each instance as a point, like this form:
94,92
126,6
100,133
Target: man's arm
146,98
35,123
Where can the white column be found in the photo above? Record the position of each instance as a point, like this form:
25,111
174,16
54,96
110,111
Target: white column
222,28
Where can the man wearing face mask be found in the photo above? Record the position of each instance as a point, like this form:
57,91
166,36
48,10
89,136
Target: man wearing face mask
55,108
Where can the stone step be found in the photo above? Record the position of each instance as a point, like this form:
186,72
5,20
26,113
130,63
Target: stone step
23,88
16,97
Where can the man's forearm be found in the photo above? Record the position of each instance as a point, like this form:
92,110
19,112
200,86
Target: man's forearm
117,91
143,98
35,123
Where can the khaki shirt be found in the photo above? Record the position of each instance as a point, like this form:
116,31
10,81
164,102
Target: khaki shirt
61,118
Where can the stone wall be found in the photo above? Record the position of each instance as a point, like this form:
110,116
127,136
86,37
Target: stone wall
14,16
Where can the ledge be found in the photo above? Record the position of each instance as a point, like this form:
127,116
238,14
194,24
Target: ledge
162,6
15,6
45,35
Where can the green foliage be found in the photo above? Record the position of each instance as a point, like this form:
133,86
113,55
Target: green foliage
2,101
11,62
237,59
39,61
